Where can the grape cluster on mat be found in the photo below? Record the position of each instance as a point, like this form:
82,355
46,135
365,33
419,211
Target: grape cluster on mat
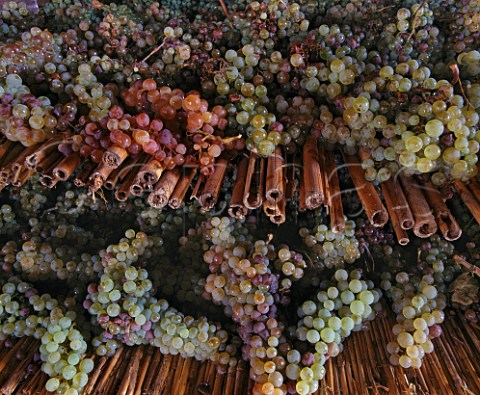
286,312
341,306
419,299
25,312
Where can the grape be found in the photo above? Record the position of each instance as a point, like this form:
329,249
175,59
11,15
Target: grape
173,84
434,128
405,361
86,365
355,286
430,292
52,384
357,307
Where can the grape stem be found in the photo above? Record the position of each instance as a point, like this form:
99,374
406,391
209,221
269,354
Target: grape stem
386,8
225,10
309,261
469,266
224,140
100,194
208,136
414,24
153,52
456,79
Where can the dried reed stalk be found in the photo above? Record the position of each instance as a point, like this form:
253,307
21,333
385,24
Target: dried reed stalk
397,203
312,180
164,188
241,378
468,199
127,384
162,375
112,363
195,195
50,146
211,190
67,166
230,382
237,209
372,204
425,224
4,149
82,177
16,377
447,223
182,187
19,162
151,373
114,156
274,183
97,371
254,182
144,366
333,195
181,388
291,182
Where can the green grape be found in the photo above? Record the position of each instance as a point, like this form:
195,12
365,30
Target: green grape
405,339
337,66
357,307
302,387
404,85
434,128
347,297
73,359
355,285
52,384
425,165
335,323
407,159
366,297
432,151
430,291
405,361
347,323
80,380
86,365
313,336
266,148
451,155
414,144
361,104
327,335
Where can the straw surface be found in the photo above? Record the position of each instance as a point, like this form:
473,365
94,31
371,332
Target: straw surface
362,368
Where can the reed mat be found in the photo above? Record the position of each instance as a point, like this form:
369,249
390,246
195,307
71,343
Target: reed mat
362,368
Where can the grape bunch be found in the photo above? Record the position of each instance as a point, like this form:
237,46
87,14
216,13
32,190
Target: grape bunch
342,305
251,279
333,249
419,308
171,84
24,117
26,313
419,300
123,304
8,223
